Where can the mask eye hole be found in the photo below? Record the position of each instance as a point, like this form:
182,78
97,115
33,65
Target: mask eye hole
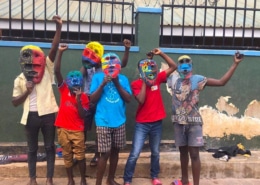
26,55
184,61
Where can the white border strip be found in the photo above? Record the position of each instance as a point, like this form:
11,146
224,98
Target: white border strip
137,49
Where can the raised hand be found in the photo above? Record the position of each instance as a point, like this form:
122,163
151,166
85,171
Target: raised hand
156,51
58,20
63,47
238,57
127,43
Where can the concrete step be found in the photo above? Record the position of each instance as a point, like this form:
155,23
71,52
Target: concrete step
237,167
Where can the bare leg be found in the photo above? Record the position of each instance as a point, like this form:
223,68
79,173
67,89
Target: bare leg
82,170
184,157
101,167
70,176
113,160
195,164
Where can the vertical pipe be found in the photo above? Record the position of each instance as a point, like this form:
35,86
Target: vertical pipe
253,26
234,24
224,24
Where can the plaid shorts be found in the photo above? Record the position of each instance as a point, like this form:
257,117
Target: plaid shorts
110,137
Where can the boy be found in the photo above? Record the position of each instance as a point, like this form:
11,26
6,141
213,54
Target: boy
70,119
185,113
109,91
91,64
33,89
150,113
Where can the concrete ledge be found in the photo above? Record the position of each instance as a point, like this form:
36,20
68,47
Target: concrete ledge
236,167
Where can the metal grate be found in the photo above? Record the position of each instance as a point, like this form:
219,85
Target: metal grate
223,24
104,21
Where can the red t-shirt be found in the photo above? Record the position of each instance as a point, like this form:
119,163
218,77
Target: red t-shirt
153,108
68,115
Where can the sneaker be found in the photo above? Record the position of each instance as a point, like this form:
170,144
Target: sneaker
156,181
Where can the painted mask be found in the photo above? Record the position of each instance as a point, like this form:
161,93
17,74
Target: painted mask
74,79
184,66
32,61
92,54
148,70
111,64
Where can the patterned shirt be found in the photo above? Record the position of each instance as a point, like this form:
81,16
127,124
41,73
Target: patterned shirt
185,98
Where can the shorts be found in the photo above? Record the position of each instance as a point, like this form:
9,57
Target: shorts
188,135
72,143
110,137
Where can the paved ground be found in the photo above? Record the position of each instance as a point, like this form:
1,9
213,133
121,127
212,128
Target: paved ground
136,181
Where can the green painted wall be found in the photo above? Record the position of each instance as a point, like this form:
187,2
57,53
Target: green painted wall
243,87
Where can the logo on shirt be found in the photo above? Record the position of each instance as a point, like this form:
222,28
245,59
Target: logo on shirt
112,95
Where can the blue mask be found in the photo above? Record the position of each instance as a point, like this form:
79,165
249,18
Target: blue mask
184,66
74,79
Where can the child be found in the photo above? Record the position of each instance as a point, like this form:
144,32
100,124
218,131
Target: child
70,119
110,91
91,64
33,89
185,113
149,115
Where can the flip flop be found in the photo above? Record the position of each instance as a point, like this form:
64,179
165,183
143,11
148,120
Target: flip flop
178,182
156,181
94,161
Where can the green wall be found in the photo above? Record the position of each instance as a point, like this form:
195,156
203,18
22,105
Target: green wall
210,63
241,87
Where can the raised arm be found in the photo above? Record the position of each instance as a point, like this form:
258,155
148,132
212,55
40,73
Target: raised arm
172,65
57,64
56,39
127,44
226,77
123,93
141,96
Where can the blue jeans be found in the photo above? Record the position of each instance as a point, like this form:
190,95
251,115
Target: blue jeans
154,131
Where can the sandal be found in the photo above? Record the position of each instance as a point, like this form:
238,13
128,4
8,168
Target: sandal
94,161
178,182
156,181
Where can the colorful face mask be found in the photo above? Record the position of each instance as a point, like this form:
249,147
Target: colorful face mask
185,66
111,64
148,71
74,79
32,61
92,54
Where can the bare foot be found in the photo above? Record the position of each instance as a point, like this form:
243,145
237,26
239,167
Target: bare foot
49,181
112,182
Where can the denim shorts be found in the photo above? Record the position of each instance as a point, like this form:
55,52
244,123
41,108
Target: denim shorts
188,135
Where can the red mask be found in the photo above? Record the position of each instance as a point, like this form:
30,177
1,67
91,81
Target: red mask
32,61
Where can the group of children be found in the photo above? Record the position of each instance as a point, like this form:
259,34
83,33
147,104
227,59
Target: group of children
99,90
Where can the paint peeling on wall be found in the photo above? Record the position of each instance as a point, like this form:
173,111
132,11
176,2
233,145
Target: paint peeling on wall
217,124
253,109
221,121
223,106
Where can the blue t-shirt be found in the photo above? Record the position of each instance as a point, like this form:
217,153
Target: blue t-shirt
185,98
110,110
